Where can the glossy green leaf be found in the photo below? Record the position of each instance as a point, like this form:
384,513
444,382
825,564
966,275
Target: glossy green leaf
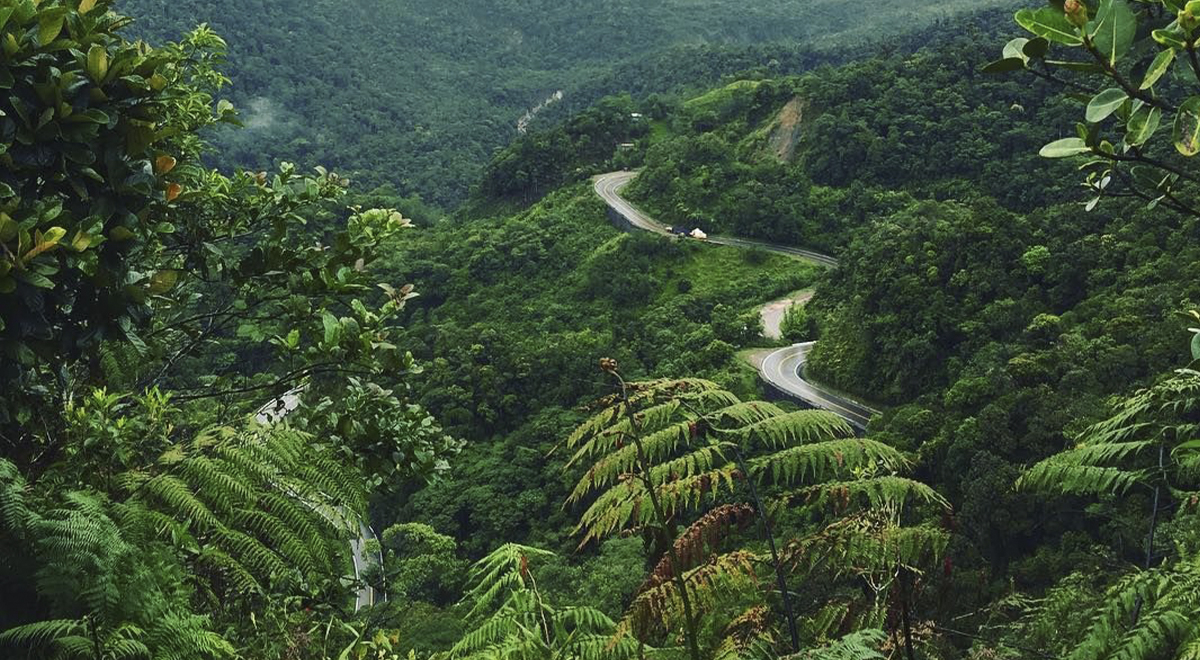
1036,48
1081,67
163,281
1113,29
1161,64
50,25
8,227
333,329
97,62
1142,125
1104,104
1187,127
1196,356
1051,25
1064,148
1171,38
1005,65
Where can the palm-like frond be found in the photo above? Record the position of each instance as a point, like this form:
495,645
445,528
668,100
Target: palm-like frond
830,459
860,645
797,428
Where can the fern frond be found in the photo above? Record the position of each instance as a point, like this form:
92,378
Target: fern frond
177,496
875,492
797,428
243,581
700,540
1062,474
40,633
829,459
723,577
869,542
14,514
860,645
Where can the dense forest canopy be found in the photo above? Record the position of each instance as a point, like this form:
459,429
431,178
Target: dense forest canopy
287,411
418,94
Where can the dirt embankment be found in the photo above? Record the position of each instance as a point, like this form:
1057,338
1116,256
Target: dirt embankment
785,133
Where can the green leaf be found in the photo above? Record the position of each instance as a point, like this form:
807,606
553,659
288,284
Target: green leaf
1064,148
1104,104
333,329
50,25
97,62
1081,67
163,281
1036,48
36,279
1187,127
1171,38
1161,64
1196,356
1142,125
1113,29
1005,65
8,227
1015,48
5,13
1050,24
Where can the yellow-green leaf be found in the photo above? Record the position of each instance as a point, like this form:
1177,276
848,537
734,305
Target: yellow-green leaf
86,5
97,62
49,27
1187,127
162,281
1160,65
44,242
82,241
8,227
120,234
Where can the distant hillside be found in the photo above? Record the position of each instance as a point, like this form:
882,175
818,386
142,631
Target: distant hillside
419,94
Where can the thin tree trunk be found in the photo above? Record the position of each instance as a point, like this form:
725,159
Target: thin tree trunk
769,536
905,615
1137,608
665,537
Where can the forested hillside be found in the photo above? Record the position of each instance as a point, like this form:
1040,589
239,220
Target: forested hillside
418,94
290,413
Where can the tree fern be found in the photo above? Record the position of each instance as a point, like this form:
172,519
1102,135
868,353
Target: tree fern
515,622
662,455
860,645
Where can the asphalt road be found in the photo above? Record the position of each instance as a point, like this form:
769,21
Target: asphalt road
275,411
783,369
609,186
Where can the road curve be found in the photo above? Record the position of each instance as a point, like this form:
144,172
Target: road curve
608,187
783,369
274,411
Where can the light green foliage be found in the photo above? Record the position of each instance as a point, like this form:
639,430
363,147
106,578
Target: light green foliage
420,564
1128,102
515,622
797,325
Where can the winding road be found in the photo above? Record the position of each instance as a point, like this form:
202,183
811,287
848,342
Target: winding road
782,369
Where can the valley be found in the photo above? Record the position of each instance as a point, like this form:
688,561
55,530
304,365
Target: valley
609,330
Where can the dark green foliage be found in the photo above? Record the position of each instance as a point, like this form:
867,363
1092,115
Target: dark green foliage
420,95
